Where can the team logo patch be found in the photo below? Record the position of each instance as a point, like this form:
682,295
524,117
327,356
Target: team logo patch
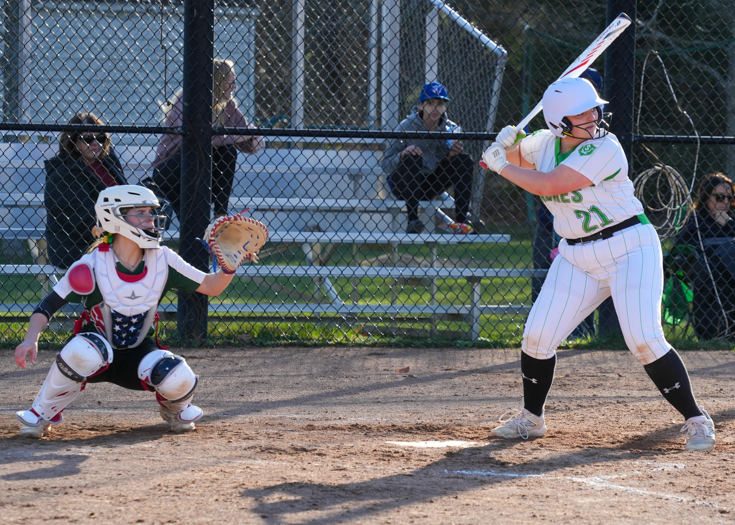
588,149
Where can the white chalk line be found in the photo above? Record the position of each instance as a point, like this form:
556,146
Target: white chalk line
602,483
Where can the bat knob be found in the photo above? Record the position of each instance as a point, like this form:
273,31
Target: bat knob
483,165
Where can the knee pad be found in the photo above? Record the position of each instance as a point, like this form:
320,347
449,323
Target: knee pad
169,375
85,355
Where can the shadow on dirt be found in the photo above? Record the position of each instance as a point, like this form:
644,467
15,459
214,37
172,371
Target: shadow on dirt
71,448
461,471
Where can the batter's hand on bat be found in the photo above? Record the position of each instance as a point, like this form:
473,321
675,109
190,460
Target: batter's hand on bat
495,158
509,136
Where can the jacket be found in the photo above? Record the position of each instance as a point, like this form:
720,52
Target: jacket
434,151
708,228
70,194
170,145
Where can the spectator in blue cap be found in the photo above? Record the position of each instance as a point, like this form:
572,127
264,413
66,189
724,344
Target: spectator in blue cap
421,169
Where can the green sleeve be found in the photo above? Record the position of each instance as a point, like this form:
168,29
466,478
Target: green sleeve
177,281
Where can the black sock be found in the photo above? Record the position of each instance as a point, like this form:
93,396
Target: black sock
538,374
670,376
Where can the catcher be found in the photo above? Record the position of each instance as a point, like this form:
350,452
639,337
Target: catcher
120,282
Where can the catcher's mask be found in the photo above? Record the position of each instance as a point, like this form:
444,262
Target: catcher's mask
572,96
117,203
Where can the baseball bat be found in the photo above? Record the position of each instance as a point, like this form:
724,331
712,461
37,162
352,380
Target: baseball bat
585,60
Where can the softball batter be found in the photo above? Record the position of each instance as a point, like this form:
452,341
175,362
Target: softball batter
609,248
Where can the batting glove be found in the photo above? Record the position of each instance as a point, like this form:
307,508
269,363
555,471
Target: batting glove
494,157
509,136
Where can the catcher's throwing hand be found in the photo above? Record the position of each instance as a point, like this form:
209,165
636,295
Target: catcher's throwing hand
235,239
22,351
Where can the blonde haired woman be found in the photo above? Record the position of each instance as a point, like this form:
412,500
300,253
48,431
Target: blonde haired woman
167,166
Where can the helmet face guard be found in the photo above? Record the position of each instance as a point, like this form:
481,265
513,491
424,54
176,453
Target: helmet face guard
159,220
601,131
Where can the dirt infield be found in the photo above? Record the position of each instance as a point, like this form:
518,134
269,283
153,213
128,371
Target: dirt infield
333,435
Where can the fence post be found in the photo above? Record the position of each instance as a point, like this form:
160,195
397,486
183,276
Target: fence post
15,22
620,75
620,92
196,157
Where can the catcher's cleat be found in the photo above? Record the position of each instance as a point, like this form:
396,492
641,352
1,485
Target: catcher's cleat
32,426
525,425
457,228
36,432
699,433
182,421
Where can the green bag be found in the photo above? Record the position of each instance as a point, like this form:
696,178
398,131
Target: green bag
676,299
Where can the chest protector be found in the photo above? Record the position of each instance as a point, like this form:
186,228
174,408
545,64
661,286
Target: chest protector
129,301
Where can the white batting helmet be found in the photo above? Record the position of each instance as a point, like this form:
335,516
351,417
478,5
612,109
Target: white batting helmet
567,97
111,200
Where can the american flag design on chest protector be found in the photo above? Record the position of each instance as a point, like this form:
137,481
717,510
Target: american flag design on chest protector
130,301
125,329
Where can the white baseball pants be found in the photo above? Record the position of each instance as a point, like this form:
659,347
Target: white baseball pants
628,267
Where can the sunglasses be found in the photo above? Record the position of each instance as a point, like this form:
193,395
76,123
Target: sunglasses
719,197
89,139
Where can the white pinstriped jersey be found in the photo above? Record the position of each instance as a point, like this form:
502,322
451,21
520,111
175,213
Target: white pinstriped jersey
609,201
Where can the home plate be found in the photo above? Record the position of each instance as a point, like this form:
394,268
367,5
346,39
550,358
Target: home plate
435,444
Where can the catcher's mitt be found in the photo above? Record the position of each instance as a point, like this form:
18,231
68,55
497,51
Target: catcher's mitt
235,239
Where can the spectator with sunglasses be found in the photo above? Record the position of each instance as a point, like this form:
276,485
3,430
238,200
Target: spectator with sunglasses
711,230
84,166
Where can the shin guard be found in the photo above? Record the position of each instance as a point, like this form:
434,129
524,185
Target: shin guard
85,355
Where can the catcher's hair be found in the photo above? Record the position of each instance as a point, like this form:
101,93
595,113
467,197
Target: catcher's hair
101,239
707,188
221,68
68,139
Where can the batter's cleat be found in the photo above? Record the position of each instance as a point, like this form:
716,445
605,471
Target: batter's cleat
699,432
525,425
182,421
32,426
457,228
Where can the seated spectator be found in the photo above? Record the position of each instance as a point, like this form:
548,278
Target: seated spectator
421,169
711,230
166,180
84,166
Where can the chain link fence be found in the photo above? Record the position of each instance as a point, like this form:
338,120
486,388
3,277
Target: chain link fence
334,90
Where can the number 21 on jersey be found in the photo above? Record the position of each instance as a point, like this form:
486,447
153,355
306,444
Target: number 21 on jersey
587,216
